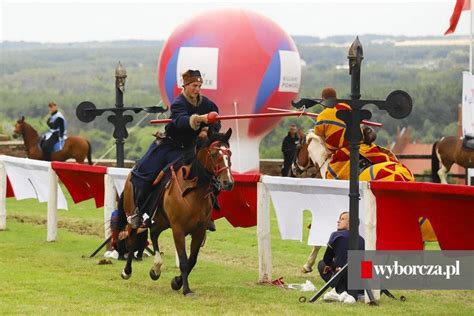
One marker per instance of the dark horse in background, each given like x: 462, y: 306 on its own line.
x: 183, y: 196
x: 75, y: 147
x: 448, y: 151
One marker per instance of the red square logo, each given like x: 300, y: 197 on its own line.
x: 366, y: 269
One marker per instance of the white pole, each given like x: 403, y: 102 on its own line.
x: 3, y: 196
x: 470, y: 44
x: 109, y: 203
x: 52, y: 219
x: 263, y: 235
x: 370, y: 209
x: 237, y: 127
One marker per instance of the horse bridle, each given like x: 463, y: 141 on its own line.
x: 18, y: 134
x: 224, y: 152
x: 299, y: 168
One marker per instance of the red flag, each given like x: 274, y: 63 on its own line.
x: 461, y: 5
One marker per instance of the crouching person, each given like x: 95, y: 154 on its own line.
x: 142, y: 242
x: 120, y: 238
x: 335, y: 258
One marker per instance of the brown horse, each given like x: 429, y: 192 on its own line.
x: 449, y: 150
x: 185, y: 205
x: 74, y: 147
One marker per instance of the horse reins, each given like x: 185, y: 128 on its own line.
x: 215, y: 168
x: 224, y: 152
x: 300, y: 167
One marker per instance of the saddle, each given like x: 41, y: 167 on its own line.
x: 187, y: 183
x: 468, y: 141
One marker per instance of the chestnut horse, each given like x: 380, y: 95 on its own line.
x: 185, y: 205
x: 74, y: 147
x: 311, y: 158
x: 448, y: 151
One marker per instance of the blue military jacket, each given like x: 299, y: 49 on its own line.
x: 180, y: 140
x: 179, y: 129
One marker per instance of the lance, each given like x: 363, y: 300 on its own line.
x: 214, y: 116
x: 370, y: 123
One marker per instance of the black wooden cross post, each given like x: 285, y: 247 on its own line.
x: 87, y: 112
x: 398, y: 105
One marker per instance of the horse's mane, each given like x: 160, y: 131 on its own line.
x: 220, y: 137
x: 310, y: 134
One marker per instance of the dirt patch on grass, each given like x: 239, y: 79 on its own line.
x: 78, y: 226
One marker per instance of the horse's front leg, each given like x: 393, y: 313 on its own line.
x: 181, y: 280
x: 196, y: 244
x: 131, y: 245
x: 155, y: 271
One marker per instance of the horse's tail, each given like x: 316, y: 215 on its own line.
x: 435, y: 164
x: 89, y: 153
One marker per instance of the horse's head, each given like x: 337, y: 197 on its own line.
x: 19, y: 130
x: 312, y: 153
x: 215, y: 156
x: 302, y: 161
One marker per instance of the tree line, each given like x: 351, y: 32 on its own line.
x: 32, y: 74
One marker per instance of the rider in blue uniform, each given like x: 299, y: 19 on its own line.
x: 53, y: 140
x: 189, y: 115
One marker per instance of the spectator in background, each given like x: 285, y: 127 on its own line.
x: 288, y: 147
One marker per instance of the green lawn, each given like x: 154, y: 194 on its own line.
x: 37, y: 277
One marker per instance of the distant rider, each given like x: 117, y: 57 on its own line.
x: 56, y: 134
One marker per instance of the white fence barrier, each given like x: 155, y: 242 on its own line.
x: 326, y: 199
x: 3, y: 194
x: 27, y: 178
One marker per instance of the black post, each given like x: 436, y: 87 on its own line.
x: 355, y: 57
x: 120, y: 75
x: 398, y: 105
x: 86, y: 112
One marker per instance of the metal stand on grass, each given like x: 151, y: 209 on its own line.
x: 398, y: 105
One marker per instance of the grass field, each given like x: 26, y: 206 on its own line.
x: 37, y: 277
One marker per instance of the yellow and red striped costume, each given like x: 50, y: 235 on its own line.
x: 384, y: 164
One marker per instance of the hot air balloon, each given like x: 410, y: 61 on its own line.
x: 248, y: 64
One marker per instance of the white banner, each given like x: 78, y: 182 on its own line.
x: 29, y: 179
x: 467, y: 103
x: 290, y: 75
x: 325, y: 199
x: 204, y: 59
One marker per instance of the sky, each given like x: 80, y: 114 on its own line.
x: 106, y: 20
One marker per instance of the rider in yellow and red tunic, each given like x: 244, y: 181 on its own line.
x: 332, y: 129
